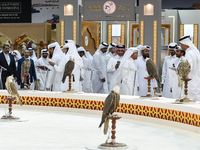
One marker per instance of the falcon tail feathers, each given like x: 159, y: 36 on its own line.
x: 19, y: 100
x: 106, y: 124
x: 63, y: 79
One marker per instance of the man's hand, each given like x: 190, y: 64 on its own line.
x: 117, y: 66
x: 18, y: 82
x: 51, y: 63
x: 15, y: 78
x: 103, y: 80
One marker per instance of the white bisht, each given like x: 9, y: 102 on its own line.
x: 114, y: 74
x: 72, y: 52
x: 128, y: 69
x: 87, y: 67
x: 142, y: 72
x: 54, y: 77
x: 42, y: 75
x: 167, y: 73
x: 193, y: 57
x: 99, y: 64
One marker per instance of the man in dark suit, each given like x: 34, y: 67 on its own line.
x: 32, y: 74
x: 7, y: 61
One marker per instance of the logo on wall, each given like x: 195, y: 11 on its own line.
x: 109, y: 7
x: 86, y: 41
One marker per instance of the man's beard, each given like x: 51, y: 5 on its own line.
x: 146, y: 56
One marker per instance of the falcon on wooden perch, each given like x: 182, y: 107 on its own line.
x: 110, y: 105
x: 183, y: 70
x: 12, y: 89
x: 152, y: 70
x: 69, y: 66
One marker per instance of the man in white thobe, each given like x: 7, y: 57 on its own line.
x: 99, y: 77
x: 54, y: 78
x: 72, y: 52
x: 110, y: 52
x: 87, y: 81
x: 167, y: 73
x: 42, y: 72
x: 193, y: 57
x: 17, y: 56
x: 142, y: 72
x: 128, y: 69
x: 176, y: 91
x: 114, y: 75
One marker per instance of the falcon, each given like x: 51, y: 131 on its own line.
x: 110, y: 105
x: 152, y: 70
x: 183, y: 70
x: 12, y: 89
x: 25, y: 67
x: 69, y: 66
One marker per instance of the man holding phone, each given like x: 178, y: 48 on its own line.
x: 113, y: 65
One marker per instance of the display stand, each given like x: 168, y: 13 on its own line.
x: 185, y: 99
x: 9, y: 116
x: 70, y: 86
x: 113, y: 143
x: 149, y: 86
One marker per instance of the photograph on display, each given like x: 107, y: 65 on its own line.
x: 116, y: 39
x: 45, y: 11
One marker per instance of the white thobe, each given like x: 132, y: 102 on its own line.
x: 42, y: 75
x: 114, y: 75
x: 54, y: 77
x: 194, y: 84
x: 100, y: 65
x: 142, y: 72
x: 174, y: 80
x: 87, y: 75
x: 107, y: 58
x: 129, y: 80
x: 76, y: 72
x: 166, y: 74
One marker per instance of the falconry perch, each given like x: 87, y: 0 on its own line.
x: 183, y: 70
x: 69, y: 66
x: 152, y: 70
x: 12, y: 89
x: 110, y: 105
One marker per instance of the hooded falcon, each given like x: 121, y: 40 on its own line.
x: 110, y: 105
x: 152, y: 70
x: 183, y: 70
x: 12, y: 89
x: 69, y: 66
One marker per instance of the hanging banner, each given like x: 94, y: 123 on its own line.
x: 15, y: 11
x: 106, y: 10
